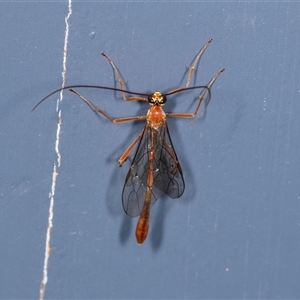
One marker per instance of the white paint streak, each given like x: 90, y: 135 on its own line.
x: 58, y: 160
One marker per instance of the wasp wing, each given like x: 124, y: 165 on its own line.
x: 167, y: 173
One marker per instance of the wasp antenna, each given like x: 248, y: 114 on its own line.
x: 87, y: 86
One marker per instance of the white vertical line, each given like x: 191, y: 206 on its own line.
x: 58, y: 160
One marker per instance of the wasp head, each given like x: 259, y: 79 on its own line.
x: 157, y: 98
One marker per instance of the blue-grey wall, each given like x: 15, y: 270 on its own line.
x: 235, y: 231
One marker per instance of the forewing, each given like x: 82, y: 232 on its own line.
x: 134, y: 189
x: 166, y: 168
x: 168, y: 173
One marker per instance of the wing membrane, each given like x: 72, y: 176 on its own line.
x: 167, y: 172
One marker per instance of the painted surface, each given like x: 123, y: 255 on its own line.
x: 235, y: 231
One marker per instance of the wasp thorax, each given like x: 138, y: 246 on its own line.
x: 157, y: 98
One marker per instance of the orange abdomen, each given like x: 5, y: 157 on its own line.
x: 141, y: 231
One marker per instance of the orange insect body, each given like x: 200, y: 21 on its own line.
x: 156, y: 117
